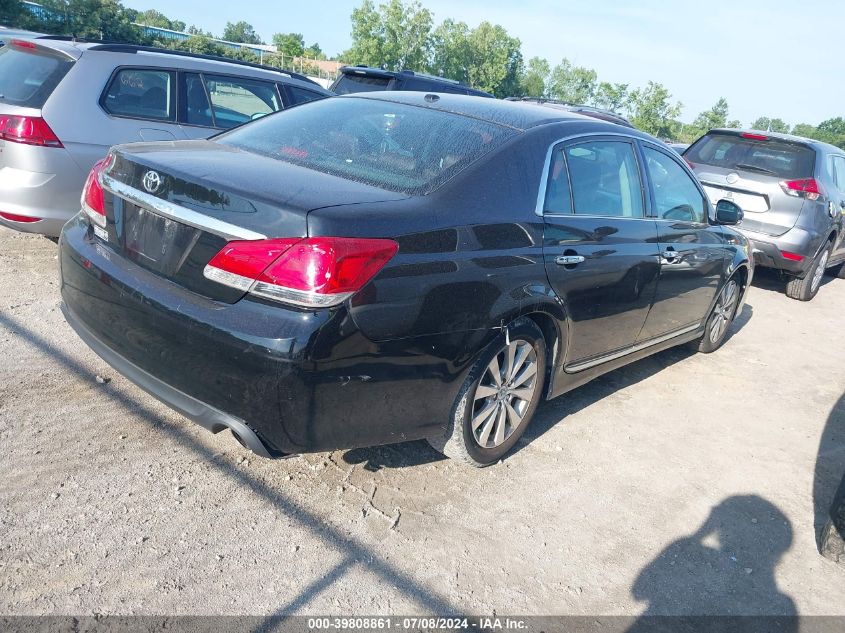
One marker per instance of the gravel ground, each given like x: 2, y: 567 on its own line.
x: 681, y: 484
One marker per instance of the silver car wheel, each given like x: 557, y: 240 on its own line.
x: 504, y: 394
x: 819, y: 272
x: 723, y: 310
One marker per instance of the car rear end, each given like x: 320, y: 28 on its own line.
x: 358, y: 79
x: 39, y: 180
x: 772, y: 178
x: 196, y: 271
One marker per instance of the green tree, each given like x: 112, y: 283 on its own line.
x: 289, y: 44
x: 495, y: 63
x: 535, y: 79
x: 653, y: 111
x: 151, y: 17
x: 717, y: 116
x: 613, y: 97
x: 241, y: 32
x: 451, y: 54
x: 766, y: 124
x: 90, y: 19
x: 573, y: 84
x: 397, y: 35
x: 13, y: 13
x: 195, y: 30
x: 314, y: 52
x: 734, y: 124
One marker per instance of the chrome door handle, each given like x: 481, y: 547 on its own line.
x: 670, y: 253
x: 569, y: 260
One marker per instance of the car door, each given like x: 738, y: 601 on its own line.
x: 211, y: 103
x: 138, y: 104
x: 692, y: 251
x: 837, y: 200
x: 600, y: 251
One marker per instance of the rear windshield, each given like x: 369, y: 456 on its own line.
x: 768, y: 157
x: 27, y: 78
x: 359, y: 83
x: 393, y: 146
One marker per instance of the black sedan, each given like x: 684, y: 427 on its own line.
x: 385, y: 267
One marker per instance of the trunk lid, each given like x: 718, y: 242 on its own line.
x: 172, y: 206
x: 748, y: 169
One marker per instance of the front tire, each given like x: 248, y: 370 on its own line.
x: 807, y: 288
x: 498, y: 398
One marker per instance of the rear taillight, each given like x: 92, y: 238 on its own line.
x: 28, y: 130
x: 315, y: 272
x: 754, y: 137
x: 14, y: 217
x: 795, y: 257
x: 92, y: 193
x: 803, y: 188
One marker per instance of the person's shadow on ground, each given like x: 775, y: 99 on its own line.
x: 725, y: 568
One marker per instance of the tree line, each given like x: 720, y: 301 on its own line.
x: 398, y: 35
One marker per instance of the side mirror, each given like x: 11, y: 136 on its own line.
x: 728, y: 213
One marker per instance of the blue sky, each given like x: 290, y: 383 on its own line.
x: 776, y: 58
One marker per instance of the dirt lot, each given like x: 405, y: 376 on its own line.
x: 681, y: 484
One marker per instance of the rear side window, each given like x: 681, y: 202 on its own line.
x: 28, y: 77
x: 389, y: 145
x: 141, y: 93
x: 299, y: 95
x: 770, y: 157
x: 359, y: 83
x: 605, y: 179
x: 235, y: 101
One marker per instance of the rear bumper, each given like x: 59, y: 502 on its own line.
x: 50, y: 194
x: 203, y: 414
x: 768, y: 249
x: 299, y: 381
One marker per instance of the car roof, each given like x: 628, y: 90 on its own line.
x: 598, y: 113
x: 380, y: 72
x: 789, y: 138
x: 520, y: 115
x: 192, y: 61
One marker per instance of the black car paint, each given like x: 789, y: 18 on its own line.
x: 385, y: 366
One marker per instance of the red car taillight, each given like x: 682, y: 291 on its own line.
x: 803, y: 188
x: 28, y: 130
x: 315, y: 272
x: 14, y: 217
x: 92, y: 193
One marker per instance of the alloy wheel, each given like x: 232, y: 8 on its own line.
x: 504, y: 394
x: 819, y: 272
x: 723, y: 310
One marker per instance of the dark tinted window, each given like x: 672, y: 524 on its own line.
x: 27, y: 78
x: 427, y: 85
x: 301, y: 95
x: 772, y: 157
x: 359, y: 83
x: 676, y: 196
x: 389, y: 145
x: 838, y: 164
x: 558, y: 197
x: 605, y: 179
x: 235, y: 101
x: 197, y: 106
x: 141, y: 93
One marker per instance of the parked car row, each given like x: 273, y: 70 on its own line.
x: 64, y: 103
x: 376, y: 267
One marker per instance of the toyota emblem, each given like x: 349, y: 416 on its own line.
x: 152, y: 181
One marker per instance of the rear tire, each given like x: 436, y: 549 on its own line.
x: 498, y: 398
x: 720, y: 319
x: 807, y: 288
